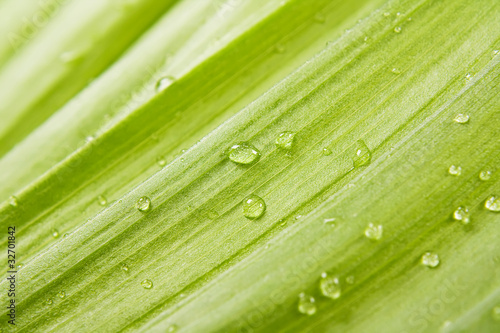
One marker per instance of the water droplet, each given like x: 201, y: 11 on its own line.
x: 319, y: 17
x: 362, y: 155
x: 330, y: 286
x: 398, y: 14
x: 330, y: 222
x: 160, y: 160
x: 350, y: 279
x: 61, y: 294
x: 496, y: 313
x: 89, y: 139
x: 172, y: 328
x: 298, y: 217
x: 164, y: 83
x: 49, y: 301
x: 279, y: 48
x: 397, y: 30
x: 285, y: 140
x: 396, y: 71
x: 387, y: 14
x: 211, y: 214
x: 495, y: 53
x: 492, y: 204
x: 66, y: 235
x: 243, y: 153
x: 55, y: 233
x: 125, y: 268
x: 13, y: 201
x: 461, y: 118
x: 147, y: 284
x: 19, y: 266
x: 462, y: 214
x: 468, y: 76
x: 430, y: 259
x: 253, y: 207
x: 143, y: 204
x: 307, y: 304
x: 327, y: 152
x: 102, y: 200
x: 455, y: 170
x: 485, y: 175
x: 374, y: 232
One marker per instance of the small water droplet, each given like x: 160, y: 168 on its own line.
x: 172, y: 328
x: 461, y: 118
x: 66, y: 235
x: 102, y: 200
x: 13, y: 201
x: 307, y: 304
x: 398, y: 14
x: 143, y: 204
x: 485, y: 175
x: 430, y: 259
x: 61, y: 294
x: 362, y: 154
x: 298, y: 217
x: 455, y: 170
x: 374, y: 232
x: 319, y: 17
x: 147, y: 284
x: 495, y: 53
x: 462, y: 214
x: 350, y: 279
x: 164, y: 83
x: 49, y: 301
x: 160, y: 160
x: 396, y: 71
x: 387, y: 14
x: 330, y: 286
x: 330, y: 222
x: 89, y: 139
x: 125, y: 268
x: 492, y: 204
x: 468, y: 76
x: 327, y: 152
x: 496, y: 313
x: 253, y: 207
x: 19, y: 266
x: 55, y: 233
x: 243, y: 153
x: 397, y: 30
x: 279, y: 48
x: 285, y: 140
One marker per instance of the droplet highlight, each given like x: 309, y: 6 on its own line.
x: 462, y: 214
x: 55, y: 233
x: 243, y: 153
x: 147, y: 284
x: 326, y: 152
x: 125, y: 268
x: 143, y: 204
x: 285, y: 140
x: 492, y: 204
x: 330, y: 286
x: 461, y: 118
x: 362, y: 154
x: 160, y: 160
x: 253, y: 207
x: 455, y: 170
x: 397, y: 30
x: 307, y: 304
x: 374, y: 232
x: 430, y: 259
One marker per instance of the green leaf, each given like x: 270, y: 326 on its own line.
x: 130, y: 207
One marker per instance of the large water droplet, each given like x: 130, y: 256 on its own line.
x: 164, y: 83
x: 13, y: 201
x: 330, y: 286
x: 455, y: 170
x: 374, y: 232
x: 243, y: 153
x: 102, y: 200
x: 461, y: 118
x: 147, y: 284
x: 253, y: 207
x: 485, y: 175
x: 285, y: 140
x: 307, y: 304
x: 462, y: 214
x: 492, y: 204
x: 362, y: 154
x: 143, y: 204
x: 430, y: 259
